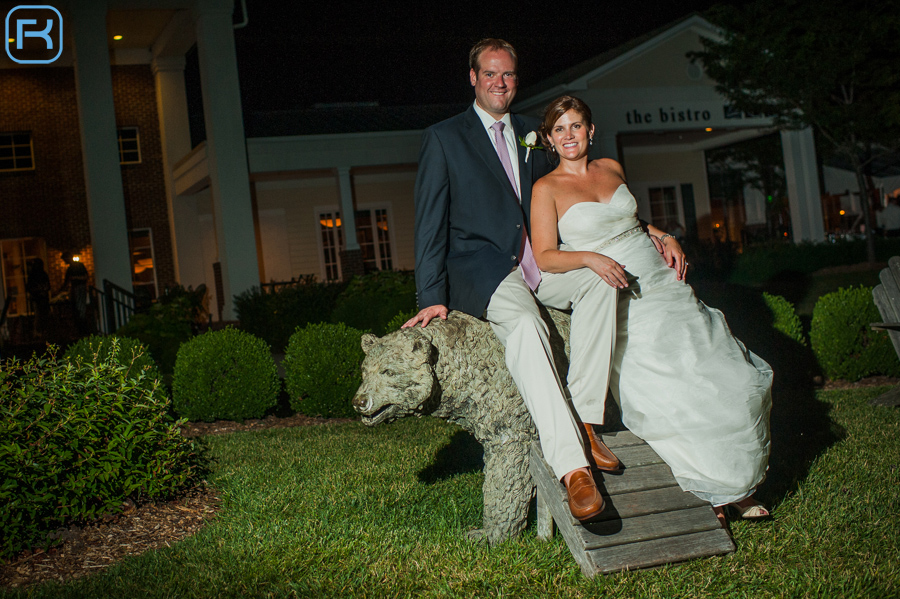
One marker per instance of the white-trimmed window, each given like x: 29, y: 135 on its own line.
x: 373, y: 233
x: 16, y: 152
x: 129, y: 145
x: 143, y: 273
x: 663, y: 206
x: 332, y: 238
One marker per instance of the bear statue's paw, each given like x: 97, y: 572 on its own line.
x: 478, y: 536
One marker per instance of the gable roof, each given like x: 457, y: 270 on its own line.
x: 577, y: 77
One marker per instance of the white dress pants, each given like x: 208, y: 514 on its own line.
x: 516, y: 320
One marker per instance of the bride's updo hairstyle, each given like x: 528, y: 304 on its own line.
x: 554, y: 112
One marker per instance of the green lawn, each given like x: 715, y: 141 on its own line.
x: 347, y: 511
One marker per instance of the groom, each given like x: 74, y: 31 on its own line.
x: 473, y: 201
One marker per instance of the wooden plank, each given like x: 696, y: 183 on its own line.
x: 641, y: 503
x: 562, y: 516
x: 645, y: 528
x: 887, y: 310
x: 637, y: 455
x: 642, y: 478
x: 661, y: 551
x: 623, y: 438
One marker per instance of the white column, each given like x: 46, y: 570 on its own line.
x: 226, y: 151
x: 174, y: 128
x: 804, y: 195
x: 99, y: 145
x: 348, y: 212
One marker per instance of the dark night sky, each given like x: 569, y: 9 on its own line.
x: 295, y: 54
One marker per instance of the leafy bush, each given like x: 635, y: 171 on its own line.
x: 79, y: 437
x: 842, y: 341
x: 785, y: 319
x: 129, y: 353
x: 163, y: 328
x: 397, y: 321
x: 275, y: 316
x: 371, y: 301
x: 227, y: 374
x: 322, y: 369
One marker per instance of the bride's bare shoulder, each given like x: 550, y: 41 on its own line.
x: 608, y: 166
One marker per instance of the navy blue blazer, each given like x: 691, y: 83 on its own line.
x: 468, y: 218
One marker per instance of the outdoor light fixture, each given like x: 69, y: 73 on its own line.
x: 117, y: 37
x: 708, y: 129
x: 76, y: 258
x: 842, y: 213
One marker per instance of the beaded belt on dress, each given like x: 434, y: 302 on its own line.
x: 619, y: 237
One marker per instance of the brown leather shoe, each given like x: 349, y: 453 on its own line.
x: 585, y: 500
x: 603, y: 458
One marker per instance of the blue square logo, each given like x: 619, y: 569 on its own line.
x: 34, y: 34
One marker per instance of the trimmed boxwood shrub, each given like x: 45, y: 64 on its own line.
x: 275, y: 316
x: 79, y: 437
x: 322, y: 369
x: 371, y: 301
x: 129, y: 353
x: 784, y: 318
x: 227, y: 374
x: 844, y: 344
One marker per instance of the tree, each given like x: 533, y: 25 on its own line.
x: 833, y: 65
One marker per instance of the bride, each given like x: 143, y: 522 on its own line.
x: 684, y: 384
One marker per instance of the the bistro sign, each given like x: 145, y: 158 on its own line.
x: 670, y: 115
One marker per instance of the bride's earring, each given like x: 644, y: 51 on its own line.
x: 590, y: 141
x: 553, y: 149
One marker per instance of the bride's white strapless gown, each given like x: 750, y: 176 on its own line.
x: 683, y: 382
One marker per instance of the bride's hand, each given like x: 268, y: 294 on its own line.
x: 607, y: 269
x: 674, y: 255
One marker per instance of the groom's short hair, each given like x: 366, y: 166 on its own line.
x: 490, y: 43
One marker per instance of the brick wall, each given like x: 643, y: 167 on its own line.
x: 134, y: 94
x: 50, y: 201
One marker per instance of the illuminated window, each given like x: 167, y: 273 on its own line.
x: 332, y: 240
x: 16, y: 152
x: 143, y: 274
x: 129, y: 145
x: 372, y: 234
x: 16, y: 255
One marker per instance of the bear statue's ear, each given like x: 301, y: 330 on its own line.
x: 368, y: 342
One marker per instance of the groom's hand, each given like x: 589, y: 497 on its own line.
x: 425, y: 316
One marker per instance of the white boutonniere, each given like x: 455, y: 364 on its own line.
x: 530, y: 142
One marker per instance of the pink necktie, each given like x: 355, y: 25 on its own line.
x: 530, y: 271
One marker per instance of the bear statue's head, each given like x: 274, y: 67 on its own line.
x: 398, y: 377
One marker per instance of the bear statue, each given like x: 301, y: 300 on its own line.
x: 454, y: 369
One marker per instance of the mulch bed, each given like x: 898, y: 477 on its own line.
x: 156, y: 525
x: 138, y: 528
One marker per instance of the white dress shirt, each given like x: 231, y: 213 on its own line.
x: 508, y: 134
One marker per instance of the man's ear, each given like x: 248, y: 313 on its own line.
x: 473, y: 77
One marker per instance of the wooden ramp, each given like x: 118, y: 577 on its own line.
x: 648, y: 521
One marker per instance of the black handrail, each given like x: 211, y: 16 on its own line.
x: 115, y: 306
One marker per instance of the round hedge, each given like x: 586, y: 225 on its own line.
x: 227, y: 375
x: 784, y: 318
x: 322, y: 369
x: 844, y: 344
